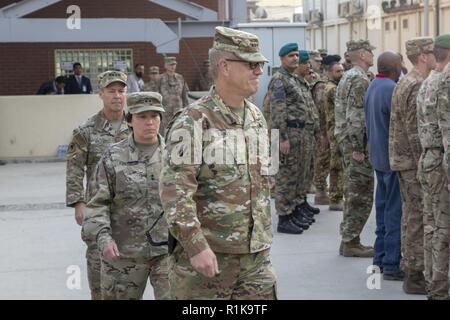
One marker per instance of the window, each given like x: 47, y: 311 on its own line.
x: 395, y: 25
x: 94, y: 62
x: 387, y: 26
x: 405, y: 23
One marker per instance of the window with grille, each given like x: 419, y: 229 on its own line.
x: 405, y: 23
x: 93, y: 61
x: 387, y: 26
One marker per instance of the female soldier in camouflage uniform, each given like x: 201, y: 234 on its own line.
x: 126, y: 210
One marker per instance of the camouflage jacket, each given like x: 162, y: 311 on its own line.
x: 287, y: 102
x: 349, y: 109
x: 443, y: 107
x: 329, y: 98
x: 126, y: 203
x: 151, y: 85
x: 174, y: 91
x: 404, y: 142
x: 89, y: 141
x: 220, y: 202
x: 318, y: 94
x: 305, y: 88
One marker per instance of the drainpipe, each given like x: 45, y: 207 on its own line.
x: 426, y: 20
x: 437, y: 17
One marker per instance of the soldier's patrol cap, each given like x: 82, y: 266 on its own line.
x: 419, y: 45
x: 154, y: 69
x: 138, y: 102
x: 443, y: 41
x: 323, y: 52
x: 354, y: 45
x: 108, y: 77
x: 303, y: 56
x: 243, y: 44
x: 170, y: 60
x: 288, y: 48
x: 315, y: 55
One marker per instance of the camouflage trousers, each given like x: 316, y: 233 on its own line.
x: 412, y: 221
x: 93, y: 270
x: 336, y: 192
x: 126, y: 278
x: 321, y: 167
x: 436, y: 231
x: 358, y: 191
x: 242, y: 277
x: 294, y: 176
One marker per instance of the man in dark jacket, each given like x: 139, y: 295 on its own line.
x: 388, y: 205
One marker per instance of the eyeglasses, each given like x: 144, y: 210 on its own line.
x: 252, y: 65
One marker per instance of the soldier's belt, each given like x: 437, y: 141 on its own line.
x: 296, y: 124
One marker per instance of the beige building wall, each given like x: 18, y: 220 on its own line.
x: 34, y: 126
x: 386, y: 31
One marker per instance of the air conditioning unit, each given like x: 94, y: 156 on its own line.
x: 315, y: 17
x: 356, y: 8
x: 344, y: 9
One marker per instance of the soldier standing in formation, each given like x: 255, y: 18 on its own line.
x: 289, y: 114
x: 432, y: 175
x: 153, y: 83
x: 335, y: 71
x: 88, y: 143
x: 322, y: 150
x: 404, y: 154
x: 125, y: 206
x: 350, y: 134
x: 218, y: 209
x: 173, y: 89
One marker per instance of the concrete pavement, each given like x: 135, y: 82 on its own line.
x: 42, y: 251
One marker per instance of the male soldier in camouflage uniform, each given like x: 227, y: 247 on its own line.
x: 125, y: 207
x: 215, y: 196
x: 307, y: 159
x: 433, y: 112
x: 89, y: 141
x: 350, y: 134
x: 174, y: 91
x: 404, y: 154
x: 335, y: 71
x: 153, y: 84
x: 322, y: 150
x: 204, y: 81
x: 289, y: 114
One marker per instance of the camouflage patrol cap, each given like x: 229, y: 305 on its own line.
x: 243, y: 44
x: 138, y: 102
x: 419, y: 45
x: 170, y: 60
x: 354, y: 45
x: 154, y: 69
x: 315, y: 55
x: 108, y: 77
x: 323, y: 52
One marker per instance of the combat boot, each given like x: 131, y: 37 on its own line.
x: 414, y: 282
x: 301, y: 211
x: 336, y: 206
x: 309, y: 207
x: 355, y: 249
x: 300, y: 222
x: 285, y: 225
x: 321, y: 198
